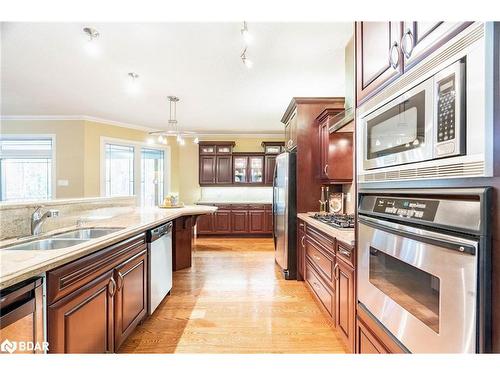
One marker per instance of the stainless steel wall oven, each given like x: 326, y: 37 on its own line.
x: 424, y: 267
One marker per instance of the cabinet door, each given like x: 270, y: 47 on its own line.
x: 345, y: 316
x: 340, y: 156
x: 240, y: 169
x: 224, y: 170
x: 239, y: 221
x: 256, y: 169
x: 130, y: 297
x: 291, y: 130
x: 269, y: 164
x: 207, y: 169
x: 222, y: 221
x: 257, y: 221
x: 82, y: 322
x: 366, y: 343
x: 420, y: 39
x: 269, y: 221
x: 378, y: 56
x: 205, y: 224
x: 323, y: 149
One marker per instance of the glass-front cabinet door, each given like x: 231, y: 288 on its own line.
x: 240, y: 169
x: 256, y: 169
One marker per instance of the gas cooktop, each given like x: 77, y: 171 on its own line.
x: 336, y: 220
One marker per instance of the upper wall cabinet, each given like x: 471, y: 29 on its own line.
x: 219, y: 165
x: 378, y: 56
x: 386, y: 50
x: 216, y: 163
x: 291, y: 131
x: 422, y: 38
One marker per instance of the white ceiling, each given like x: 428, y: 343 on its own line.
x: 46, y: 71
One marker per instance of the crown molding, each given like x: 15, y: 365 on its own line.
x: 271, y: 135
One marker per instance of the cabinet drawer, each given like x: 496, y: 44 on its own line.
x: 323, y: 293
x: 345, y: 252
x: 326, y: 242
x: 239, y: 206
x: 301, y: 225
x: 322, y: 261
x: 69, y: 277
x: 223, y: 206
x: 256, y: 206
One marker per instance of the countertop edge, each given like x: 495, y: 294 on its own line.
x: 341, y: 235
x: 96, y: 245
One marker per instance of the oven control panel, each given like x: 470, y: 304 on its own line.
x: 422, y: 209
x: 446, y: 109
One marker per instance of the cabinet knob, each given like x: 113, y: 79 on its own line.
x: 302, y: 241
x: 325, y: 169
x: 405, y: 47
x: 394, y: 55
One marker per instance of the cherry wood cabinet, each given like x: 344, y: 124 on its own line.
x: 371, y: 338
x: 207, y: 169
x: 422, y: 38
x: 222, y: 221
x: 224, y: 171
x: 378, y: 56
x: 182, y: 242
x: 345, y: 302
x: 248, y: 168
x: 83, y: 322
x: 331, y: 278
x: 269, y: 165
x: 131, y: 296
x: 336, y: 158
x: 291, y: 130
x: 386, y: 50
x: 237, y: 219
x: 215, y: 163
x: 95, y: 302
x: 257, y: 221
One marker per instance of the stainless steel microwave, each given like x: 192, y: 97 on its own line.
x: 426, y: 122
x: 436, y: 121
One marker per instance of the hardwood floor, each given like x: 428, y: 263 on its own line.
x: 234, y: 300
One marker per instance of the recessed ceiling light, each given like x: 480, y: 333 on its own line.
x: 247, y: 37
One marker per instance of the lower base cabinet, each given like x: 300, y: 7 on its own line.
x: 329, y: 273
x: 182, y: 242
x: 95, y: 302
x: 237, y: 219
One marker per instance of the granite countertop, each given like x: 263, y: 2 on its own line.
x: 344, y: 235
x: 19, y: 265
x: 234, y: 202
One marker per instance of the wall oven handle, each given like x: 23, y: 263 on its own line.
x: 425, y: 236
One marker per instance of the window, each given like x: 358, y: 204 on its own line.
x: 152, y: 173
x: 119, y: 170
x: 26, y: 168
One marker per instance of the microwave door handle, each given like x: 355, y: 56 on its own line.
x: 432, y: 238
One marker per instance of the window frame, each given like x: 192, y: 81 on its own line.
x: 137, y: 146
x: 53, y: 173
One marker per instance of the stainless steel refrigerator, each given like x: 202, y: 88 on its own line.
x: 285, y: 214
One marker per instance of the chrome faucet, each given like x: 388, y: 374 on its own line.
x: 37, y: 219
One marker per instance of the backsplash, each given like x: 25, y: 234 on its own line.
x: 15, y: 218
x: 237, y: 194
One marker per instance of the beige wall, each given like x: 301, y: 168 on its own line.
x: 69, y: 150
x: 78, y: 150
x: 189, y: 188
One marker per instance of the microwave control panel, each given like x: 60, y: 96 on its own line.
x: 423, y: 209
x: 446, y: 109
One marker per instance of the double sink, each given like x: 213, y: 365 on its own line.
x: 66, y: 239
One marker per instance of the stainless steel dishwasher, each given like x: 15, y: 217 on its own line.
x: 159, y: 264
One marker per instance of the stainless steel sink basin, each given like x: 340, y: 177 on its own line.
x: 62, y: 240
x: 46, y: 244
x: 86, y: 233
